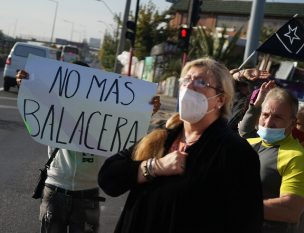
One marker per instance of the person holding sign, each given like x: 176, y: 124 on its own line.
x: 196, y: 175
x: 70, y: 198
x: 70, y: 201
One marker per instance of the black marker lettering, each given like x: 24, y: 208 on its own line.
x: 50, y: 113
x: 61, y: 82
x: 87, y: 130
x: 99, y: 84
x: 133, y: 94
x: 102, y: 130
x: 80, y: 119
x: 116, y: 91
x: 135, y: 128
x: 74, y: 77
x: 59, y: 127
x: 25, y: 113
x: 117, y: 132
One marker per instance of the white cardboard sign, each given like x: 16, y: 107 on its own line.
x: 83, y: 109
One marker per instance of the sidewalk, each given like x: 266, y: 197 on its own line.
x: 167, y: 109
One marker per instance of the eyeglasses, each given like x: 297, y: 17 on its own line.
x: 198, y: 83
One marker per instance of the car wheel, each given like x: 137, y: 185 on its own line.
x: 6, y: 86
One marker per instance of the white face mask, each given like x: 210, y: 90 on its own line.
x: 193, y: 106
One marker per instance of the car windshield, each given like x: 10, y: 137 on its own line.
x: 24, y: 51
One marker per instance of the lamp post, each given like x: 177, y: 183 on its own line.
x: 54, y: 22
x: 121, y: 41
x: 107, y: 7
x: 83, y: 32
x: 72, y: 23
x: 107, y: 25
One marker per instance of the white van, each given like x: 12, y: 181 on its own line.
x: 17, y: 58
x: 69, y: 53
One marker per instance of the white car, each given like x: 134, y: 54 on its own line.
x: 69, y: 53
x: 16, y: 60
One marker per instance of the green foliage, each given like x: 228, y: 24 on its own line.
x: 151, y: 29
x: 171, y: 66
x: 206, y: 42
x: 107, y: 52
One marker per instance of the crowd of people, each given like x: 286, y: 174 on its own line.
x: 231, y: 160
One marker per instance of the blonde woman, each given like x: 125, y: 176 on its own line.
x: 196, y: 175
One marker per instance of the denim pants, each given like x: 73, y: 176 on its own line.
x: 60, y: 213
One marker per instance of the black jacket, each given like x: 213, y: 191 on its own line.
x: 220, y: 191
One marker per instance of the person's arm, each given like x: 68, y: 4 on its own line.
x: 21, y: 74
x: 251, y: 74
x: 286, y: 208
x: 247, y: 126
x: 289, y: 206
x: 120, y: 173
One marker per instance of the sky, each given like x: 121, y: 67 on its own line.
x: 76, y: 19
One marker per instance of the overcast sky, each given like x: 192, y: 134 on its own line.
x: 35, y: 17
x: 75, y: 18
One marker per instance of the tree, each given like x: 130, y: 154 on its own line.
x: 206, y: 42
x: 152, y: 29
x: 107, y: 52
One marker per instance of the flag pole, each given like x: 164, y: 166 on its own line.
x: 247, y: 59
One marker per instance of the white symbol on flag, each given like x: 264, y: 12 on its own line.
x: 291, y: 34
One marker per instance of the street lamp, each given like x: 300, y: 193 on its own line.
x: 72, y: 23
x: 107, y: 25
x: 107, y: 7
x: 54, y: 22
x: 83, y: 31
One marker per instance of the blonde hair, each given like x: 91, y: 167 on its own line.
x: 223, y: 79
x: 152, y: 145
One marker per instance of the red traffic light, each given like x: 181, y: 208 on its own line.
x: 184, y: 32
x: 183, y: 38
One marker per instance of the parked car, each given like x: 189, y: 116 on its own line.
x: 16, y: 60
x: 69, y: 53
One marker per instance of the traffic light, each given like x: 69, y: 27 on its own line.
x: 196, y: 10
x: 131, y: 30
x: 184, y: 38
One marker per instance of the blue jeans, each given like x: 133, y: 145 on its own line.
x: 60, y: 213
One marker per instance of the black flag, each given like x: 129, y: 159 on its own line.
x: 288, y: 41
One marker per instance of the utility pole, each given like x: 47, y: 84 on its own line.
x: 133, y: 41
x: 121, y: 44
x: 190, y: 10
x: 54, y: 21
x: 254, y: 28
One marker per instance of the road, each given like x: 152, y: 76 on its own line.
x: 21, y: 157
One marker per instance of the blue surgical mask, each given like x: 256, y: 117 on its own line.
x: 271, y: 135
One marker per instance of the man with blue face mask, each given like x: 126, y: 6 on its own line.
x: 281, y: 156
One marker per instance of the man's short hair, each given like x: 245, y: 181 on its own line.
x: 285, y: 96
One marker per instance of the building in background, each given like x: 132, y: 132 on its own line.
x: 95, y: 43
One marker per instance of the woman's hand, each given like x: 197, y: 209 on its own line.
x: 173, y: 163
x: 21, y: 74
